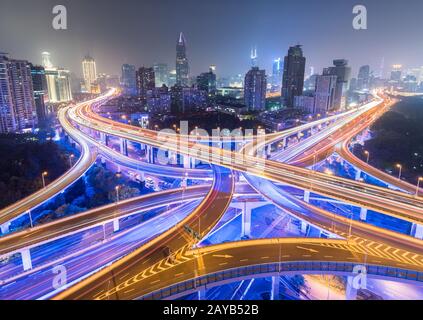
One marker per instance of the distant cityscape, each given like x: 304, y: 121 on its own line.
x: 31, y: 92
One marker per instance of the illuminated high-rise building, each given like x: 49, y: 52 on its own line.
x: 343, y: 74
x: 293, y: 75
x: 363, y: 79
x: 396, y: 72
x: 161, y: 73
x: 39, y: 83
x: 277, y: 72
x: 324, y: 96
x: 89, y: 72
x: 58, y: 81
x: 253, y: 57
x: 255, y: 89
x: 129, y: 79
x: 207, y: 82
x: 17, y: 105
x: 182, y: 66
x: 46, y: 59
x: 145, y: 81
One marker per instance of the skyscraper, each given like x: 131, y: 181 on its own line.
x: 129, y: 80
x: 207, y: 82
x: 46, y: 59
x: 343, y: 74
x: 255, y: 89
x: 39, y: 83
x: 396, y: 73
x: 161, y: 73
x: 325, y: 94
x: 17, y: 105
x: 363, y: 79
x: 145, y: 81
x: 293, y: 75
x: 253, y: 57
x: 182, y: 67
x: 277, y: 72
x: 89, y: 72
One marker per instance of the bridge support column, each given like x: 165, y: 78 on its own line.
x: 307, y: 196
x: 104, y: 138
x: 363, y: 214
x: 201, y: 293
x: 274, y: 295
x: 187, y: 162
x: 358, y: 174
x: 284, y: 146
x: 142, y: 176
x: 417, y: 231
x: 5, y: 227
x: 246, y: 221
x: 268, y: 150
x: 350, y: 291
x: 304, y: 227
x: 150, y: 154
x: 26, y: 259
x: 123, y: 146
x: 116, y: 225
x: 246, y: 208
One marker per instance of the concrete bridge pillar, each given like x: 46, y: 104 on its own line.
x: 5, y: 227
x: 417, y: 231
x: 275, y: 288
x: 307, y: 196
x: 363, y: 214
x: 358, y: 175
x: 142, y: 176
x: 104, y: 138
x: 246, y: 208
x: 350, y: 291
x: 268, y: 150
x: 124, y: 147
x: 304, y: 227
x: 26, y: 259
x: 116, y: 225
x: 201, y: 293
x: 150, y: 154
x: 187, y: 161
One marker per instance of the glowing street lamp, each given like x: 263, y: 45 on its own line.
x: 399, y: 170
x: 42, y: 177
x: 367, y: 153
x: 418, y: 185
x: 71, y: 156
x: 117, y: 188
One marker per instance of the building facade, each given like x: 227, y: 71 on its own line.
x: 17, y: 104
x: 255, y: 89
x: 293, y: 75
x: 182, y: 66
x: 342, y: 71
x: 89, y: 71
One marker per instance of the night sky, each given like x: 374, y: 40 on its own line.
x: 219, y: 32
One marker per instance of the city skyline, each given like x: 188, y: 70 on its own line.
x: 229, y: 37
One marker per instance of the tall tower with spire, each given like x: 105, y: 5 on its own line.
x: 253, y: 57
x: 182, y: 67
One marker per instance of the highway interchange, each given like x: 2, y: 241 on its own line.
x: 172, y: 257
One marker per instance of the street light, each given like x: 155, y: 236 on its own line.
x: 399, y: 170
x: 367, y: 153
x: 71, y: 156
x: 42, y: 177
x: 117, y: 193
x: 418, y: 185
